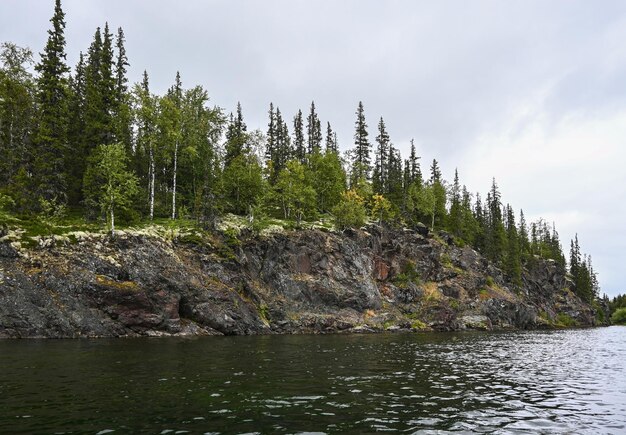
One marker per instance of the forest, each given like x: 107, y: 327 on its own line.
x: 85, y: 142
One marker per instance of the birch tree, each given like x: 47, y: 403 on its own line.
x: 110, y: 184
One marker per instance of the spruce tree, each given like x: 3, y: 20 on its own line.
x: 299, y: 148
x: 272, y: 131
x: 121, y: 106
x: 512, y: 264
x: 314, y: 131
x: 381, y: 162
x: 50, y: 136
x: 75, y: 160
x: 236, y: 137
x: 455, y: 220
x: 439, y: 192
x: 361, y: 154
x: 331, y: 140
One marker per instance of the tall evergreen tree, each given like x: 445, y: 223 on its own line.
x: 439, y: 192
x: 236, y: 137
x: 361, y: 154
x: 512, y: 264
x: 121, y: 105
x: 455, y: 221
x: 52, y: 100
x: 331, y: 140
x: 314, y: 131
x: 381, y: 162
x: 272, y: 132
x: 299, y: 148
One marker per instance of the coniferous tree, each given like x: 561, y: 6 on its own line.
x: 495, y: 231
x: 236, y: 137
x: 314, y: 131
x: 272, y: 132
x: 512, y: 266
x: 299, y: 148
x: 331, y: 140
x: 121, y: 105
x: 415, y: 170
x: 75, y: 161
x: 50, y: 136
x: 455, y: 221
x: 361, y: 153
x: 439, y: 192
x: 524, y: 241
x: 394, y: 182
x: 381, y: 162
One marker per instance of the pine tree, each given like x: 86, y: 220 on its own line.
x: 415, y: 171
x: 50, y: 136
x: 524, y: 240
x: 455, y: 221
x: 381, y: 162
x: 121, y: 105
x: 236, y: 137
x: 314, y: 131
x: 75, y: 160
x: 331, y: 140
x: 361, y: 154
x: 513, y: 266
x: 270, y: 147
x: 495, y: 231
x: 298, y: 138
x: 439, y: 192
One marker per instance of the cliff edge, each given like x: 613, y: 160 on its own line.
x: 305, y: 281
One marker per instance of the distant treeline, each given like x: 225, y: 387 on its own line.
x: 85, y: 140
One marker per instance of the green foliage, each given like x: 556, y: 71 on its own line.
x: 108, y: 182
x: 564, y: 320
x: 382, y: 209
x: 51, y: 212
x: 619, y: 316
x: 408, y: 275
x: 294, y: 194
x: 350, y: 212
x: 328, y: 178
x: 243, y: 183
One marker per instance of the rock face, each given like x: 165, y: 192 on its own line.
x: 307, y: 281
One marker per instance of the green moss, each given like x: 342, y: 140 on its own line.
x: 490, y: 282
x: 446, y: 261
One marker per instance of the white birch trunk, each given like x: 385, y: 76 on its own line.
x: 174, y: 181
x: 152, y: 178
x: 112, y: 222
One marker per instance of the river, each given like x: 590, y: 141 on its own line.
x: 569, y: 381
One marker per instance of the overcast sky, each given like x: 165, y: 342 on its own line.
x: 531, y: 92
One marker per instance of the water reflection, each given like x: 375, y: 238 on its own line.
x: 558, y: 381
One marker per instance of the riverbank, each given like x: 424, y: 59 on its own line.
x: 161, y: 282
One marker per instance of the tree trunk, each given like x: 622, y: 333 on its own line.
x: 112, y: 222
x: 152, y: 179
x: 174, y: 181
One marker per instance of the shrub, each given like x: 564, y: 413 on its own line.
x: 350, y: 212
x: 619, y: 316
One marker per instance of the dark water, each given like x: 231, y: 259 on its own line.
x: 550, y: 382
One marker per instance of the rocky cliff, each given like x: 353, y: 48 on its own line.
x: 307, y: 281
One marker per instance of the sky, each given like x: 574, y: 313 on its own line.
x: 532, y: 93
